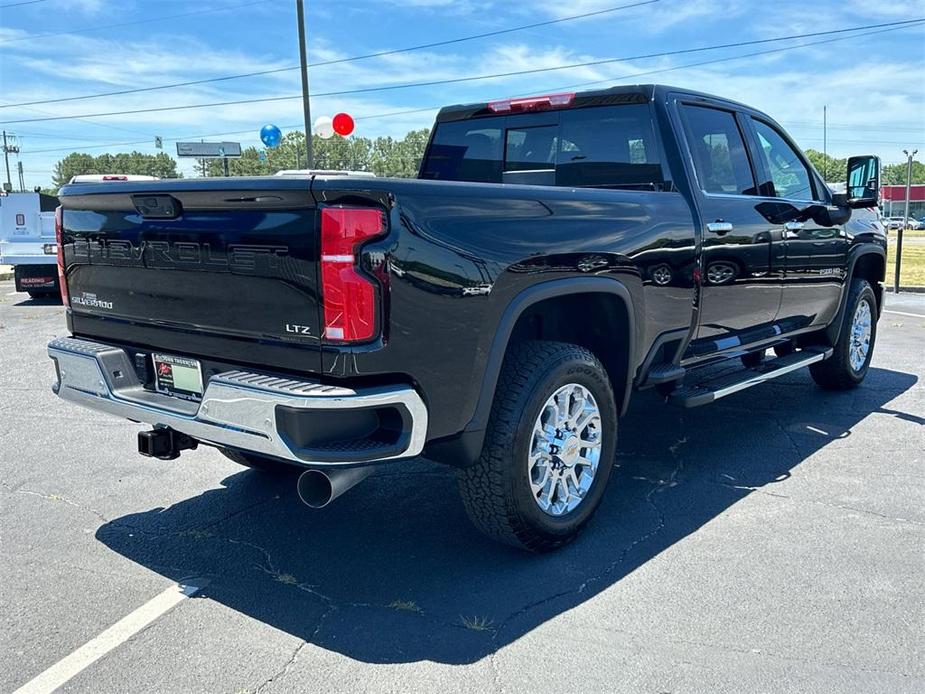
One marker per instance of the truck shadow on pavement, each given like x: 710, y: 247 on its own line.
x: 393, y: 572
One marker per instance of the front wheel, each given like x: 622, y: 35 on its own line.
x: 851, y: 356
x: 549, y: 447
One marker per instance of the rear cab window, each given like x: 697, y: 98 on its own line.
x: 600, y: 146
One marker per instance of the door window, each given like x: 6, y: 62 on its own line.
x: 789, y: 175
x: 719, y: 153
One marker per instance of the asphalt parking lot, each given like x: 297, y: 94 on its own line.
x: 772, y: 542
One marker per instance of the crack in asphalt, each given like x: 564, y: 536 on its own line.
x: 659, y: 485
x: 56, y: 497
x: 747, y: 651
x: 284, y: 670
x: 828, y: 504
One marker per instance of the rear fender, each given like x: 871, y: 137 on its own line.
x: 464, y: 449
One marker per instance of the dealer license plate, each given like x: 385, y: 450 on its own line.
x: 177, y: 376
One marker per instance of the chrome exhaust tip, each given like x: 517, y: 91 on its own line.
x: 317, y: 489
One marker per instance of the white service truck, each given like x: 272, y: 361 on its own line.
x: 27, y: 241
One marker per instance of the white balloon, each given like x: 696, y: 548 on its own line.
x: 324, y: 127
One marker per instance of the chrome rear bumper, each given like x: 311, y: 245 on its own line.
x: 245, y: 411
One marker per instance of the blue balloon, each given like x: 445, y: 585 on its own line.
x: 270, y: 135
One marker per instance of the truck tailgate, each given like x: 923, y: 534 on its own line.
x: 225, y: 268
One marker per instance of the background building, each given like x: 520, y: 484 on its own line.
x: 893, y: 200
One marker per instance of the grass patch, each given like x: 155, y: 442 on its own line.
x: 912, y: 271
x: 476, y: 623
x: 406, y: 606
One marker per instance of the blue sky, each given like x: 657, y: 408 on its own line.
x: 874, y: 86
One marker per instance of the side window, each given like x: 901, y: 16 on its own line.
x: 718, y: 151
x: 466, y: 151
x: 608, y: 146
x: 789, y: 175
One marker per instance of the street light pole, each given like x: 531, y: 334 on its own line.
x: 899, y: 234
x: 300, y: 12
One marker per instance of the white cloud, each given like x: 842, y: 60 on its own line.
x: 883, y: 90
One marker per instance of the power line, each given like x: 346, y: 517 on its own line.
x: 473, y: 78
x: 22, y: 2
x: 336, y: 61
x: 735, y: 57
x: 865, y: 126
x: 434, y: 108
x: 148, y: 20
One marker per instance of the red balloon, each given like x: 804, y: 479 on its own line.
x: 343, y: 124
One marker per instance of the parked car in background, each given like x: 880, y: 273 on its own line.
x: 896, y: 223
x: 27, y: 241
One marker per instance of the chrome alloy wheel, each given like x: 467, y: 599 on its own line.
x: 720, y: 273
x: 565, y: 449
x: 860, y: 335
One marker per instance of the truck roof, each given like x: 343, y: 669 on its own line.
x: 623, y: 94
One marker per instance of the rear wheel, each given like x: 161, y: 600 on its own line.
x: 257, y: 462
x: 850, y: 360
x: 549, y: 448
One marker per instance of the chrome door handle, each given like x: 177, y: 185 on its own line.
x: 719, y: 227
x: 793, y: 226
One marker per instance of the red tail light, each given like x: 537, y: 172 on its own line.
x: 532, y: 103
x: 349, y: 296
x: 59, y: 238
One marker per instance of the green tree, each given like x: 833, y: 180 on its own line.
x: 136, y: 163
x: 833, y: 170
x: 384, y: 156
x: 895, y: 174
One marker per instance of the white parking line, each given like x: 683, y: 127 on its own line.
x: 114, y: 636
x: 903, y: 313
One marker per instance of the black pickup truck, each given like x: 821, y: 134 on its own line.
x: 495, y: 314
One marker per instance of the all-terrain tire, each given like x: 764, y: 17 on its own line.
x: 837, y: 372
x: 496, y: 490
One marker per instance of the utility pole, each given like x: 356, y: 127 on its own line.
x: 300, y: 13
x: 6, y: 156
x: 899, y: 234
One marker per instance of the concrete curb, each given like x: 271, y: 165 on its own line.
x: 910, y: 290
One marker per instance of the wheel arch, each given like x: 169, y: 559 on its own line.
x: 867, y: 261
x: 536, y: 313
